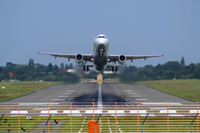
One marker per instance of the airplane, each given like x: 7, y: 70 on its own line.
x: 100, y: 56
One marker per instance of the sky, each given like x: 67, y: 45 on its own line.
x: 133, y: 27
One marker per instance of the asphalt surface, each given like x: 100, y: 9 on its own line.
x: 89, y: 93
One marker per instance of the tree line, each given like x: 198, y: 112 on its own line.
x: 169, y: 70
x: 35, y: 72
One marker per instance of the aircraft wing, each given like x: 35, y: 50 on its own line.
x: 132, y: 57
x: 86, y: 57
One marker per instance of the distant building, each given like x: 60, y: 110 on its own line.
x: 67, y: 70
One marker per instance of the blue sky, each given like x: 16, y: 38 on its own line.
x: 133, y: 27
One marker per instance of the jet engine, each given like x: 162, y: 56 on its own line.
x: 79, y: 58
x: 122, y: 59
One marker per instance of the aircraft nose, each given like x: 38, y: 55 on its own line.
x: 101, y: 41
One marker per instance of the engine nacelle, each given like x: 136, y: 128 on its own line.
x: 122, y: 59
x: 79, y: 58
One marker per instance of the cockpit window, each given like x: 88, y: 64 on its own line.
x: 101, y: 37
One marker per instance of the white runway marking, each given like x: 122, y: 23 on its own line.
x: 128, y: 91
x: 95, y: 111
x: 136, y: 96
x: 138, y: 111
x: 63, y: 96
x: 70, y: 90
x: 117, y: 111
x: 100, y: 105
x: 73, y: 112
x: 58, y: 99
x: 19, y: 112
x: 67, y: 93
x: 141, y: 99
x: 132, y: 93
x: 49, y: 111
x: 194, y: 111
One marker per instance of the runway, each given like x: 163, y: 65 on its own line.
x: 81, y: 93
x: 111, y: 100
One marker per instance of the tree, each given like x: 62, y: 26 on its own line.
x: 49, y: 68
x: 62, y: 66
x: 55, y: 70
x: 71, y: 66
x: 197, y: 71
x: 31, y: 63
x: 182, y: 61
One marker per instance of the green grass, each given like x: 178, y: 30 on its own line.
x: 188, y: 89
x: 17, y: 89
x: 11, y: 124
x: 126, y: 123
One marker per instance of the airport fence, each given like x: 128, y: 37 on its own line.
x: 115, y: 117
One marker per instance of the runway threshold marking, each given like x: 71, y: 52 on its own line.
x: 73, y: 111
x: 49, y: 111
x: 168, y: 111
x: 19, y: 112
x: 95, y: 111
x: 194, y: 111
x: 138, y: 111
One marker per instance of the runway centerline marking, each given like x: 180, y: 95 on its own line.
x: 67, y: 93
x: 100, y: 105
x: 141, y: 99
x: 136, y: 96
x: 58, y: 99
x: 128, y: 91
x: 132, y: 93
x: 70, y: 90
x: 63, y: 96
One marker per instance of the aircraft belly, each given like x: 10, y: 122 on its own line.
x: 100, y: 63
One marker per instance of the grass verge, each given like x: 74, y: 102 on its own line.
x: 188, y: 89
x: 10, y: 90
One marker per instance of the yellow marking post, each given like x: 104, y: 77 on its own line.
x: 99, y: 78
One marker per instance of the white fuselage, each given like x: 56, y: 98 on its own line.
x: 101, y: 47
